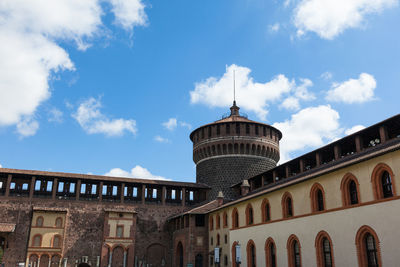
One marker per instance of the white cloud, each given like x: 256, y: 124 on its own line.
x: 185, y: 124
x: 27, y: 126
x: 161, y: 139
x: 354, y: 129
x: 327, y: 75
x: 329, y: 18
x: 274, y: 27
x: 29, y: 49
x: 90, y: 118
x: 1, y: 166
x: 353, y: 90
x: 309, y: 128
x: 252, y: 96
x: 170, y: 124
x: 136, y: 172
x: 291, y: 103
x: 55, y: 115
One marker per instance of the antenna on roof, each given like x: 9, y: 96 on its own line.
x: 234, y: 88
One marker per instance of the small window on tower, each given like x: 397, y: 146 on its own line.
x: 120, y: 231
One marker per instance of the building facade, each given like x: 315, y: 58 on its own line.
x: 334, y: 206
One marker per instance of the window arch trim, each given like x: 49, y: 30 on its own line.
x: 225, y: 220
x: 58, y: 219
x: 233, y: 253
x: 40, y: 240
x: 289, y: 247
x: 211, y: 223
x: 217, y: 221
x: 235, y: 219
x: 319, y: 248
x: 250, y: 244
x: 37, y: 221
x: 264, y: 213
x: 249, y: 214
x: 59, y: 240
x: 361, y: 253
x: 285, y: 208
x: 314, y: 198
x: 376, y: 180
x: 268, y: 243
x: 344, y: 187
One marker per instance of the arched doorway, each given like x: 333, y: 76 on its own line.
x: 33, y: 260
x: 55, y: 260
x: 155, y: 255
x: 118, y: 257
x: 179, y: 255
x: 199, y: 260
x: 44, y: 260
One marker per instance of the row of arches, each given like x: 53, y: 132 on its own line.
x: 55, y: 241
x: 382, y: 185
x: 366, y: 240
x: 225, y: 149
x: 44, y: 260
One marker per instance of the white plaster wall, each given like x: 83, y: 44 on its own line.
x: 342, y: 226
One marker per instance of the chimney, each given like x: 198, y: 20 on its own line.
x: 244, y: 188
x: 220, y: 198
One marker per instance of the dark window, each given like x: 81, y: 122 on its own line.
x: 296, y: 254
x: 386, y: 185
x: 218, y: 240
x: 250, y: 215
x: 228, y: 128
x: 256, y: 128
x: 226, y: 239
x: 272, y: 255
x: 200, y: 220
x: 320, y: 199
x: 353, y: 193
x: 326, y: 248
x: 226, y: 260
x: 264, y: 131
x: 209, y: 131
x: 202, y: 133
x: 235, y: 221
x: 212, y: 241
x: 289, y: 207
x: 237, y: 128
x: 247, y: 129
x: 372, y: 254
x: 252, y: 256
x: 218, y: 129
x: 267, y: 212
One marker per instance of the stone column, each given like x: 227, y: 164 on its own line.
x: 78, y: 189
x: 317, y: 159
x: 183, y: 196
x: 101, y: 191
x: 49, y: 261
x: 163, y: 192
x: 143, y: 193
x: 337, y: 151
x: 110, y: 259
x: 301, y: 162
x: 262, y: 180
x: 359, y: 143
x: 8, y: 185
x: 383, y: 134
x: 287, y: 171
x: 124, y: 264
x: 122, y: 192
x: 32, y: 189
x: 274, y: 176
x: 53, y: 195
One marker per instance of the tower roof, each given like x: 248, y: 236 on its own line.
x: 234, y: 116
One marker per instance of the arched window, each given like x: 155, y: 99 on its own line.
x: 350, y: 192
x: 37, y: 241
x: 211, y: 223
x: 323, y: 245
x: 39, y: 221
x: 265, y: 211
x: 235, y: 218
x: 225, y: 220
x: 368, y: 250
x: 287, y: 205
x: 382, y: 181
x: 217, y: 222
x: 249, y: 215
x: 317, y: 198
x: 56, y: 241
x: 270, y: 253
x: 59, y: 222
x: 233, y: 253
x: 251, y: 254
x: 294, y: 252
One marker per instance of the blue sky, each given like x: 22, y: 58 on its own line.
x: 116, y: 87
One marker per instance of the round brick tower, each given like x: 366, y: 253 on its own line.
x: 232, y: 149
